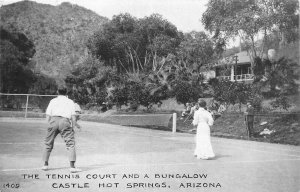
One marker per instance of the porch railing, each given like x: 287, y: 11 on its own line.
x: 243, y: 77
x: 223, y: 77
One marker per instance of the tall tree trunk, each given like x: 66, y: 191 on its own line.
x: 283, y: 41
x: 264, y: 43
x: 253, y: 52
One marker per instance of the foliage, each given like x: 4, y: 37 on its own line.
x: 160, y: 35
x: 278, y: 83
x: 119, y: 97
x: 275, y: 80
x: 93, y: 83
x: 280, y: 78
x: 87, y: 82
x: 147, y: 54
x: 281, y: 102
x: 16, y: 51
x: 135, y: 89
x: 195, y: 50
x: 259, y: 67
x: 43, y: 85
x: 256, y: 99
x: 275, y: 20
x: 17, y: 74
x: 230, y: 93
x: 247, y: 19
x: 184, y: 92
x: 138, y: 94
x: 59, y: 33
x: 130, y: 45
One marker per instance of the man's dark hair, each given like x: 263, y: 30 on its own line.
x: 62, y: 91
x: 202, y: 103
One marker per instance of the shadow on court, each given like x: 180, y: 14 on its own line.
x: 119, y: 158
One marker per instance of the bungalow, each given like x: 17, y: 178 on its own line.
x: 234, y: 68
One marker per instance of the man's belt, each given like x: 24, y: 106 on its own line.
x: 60, y: 116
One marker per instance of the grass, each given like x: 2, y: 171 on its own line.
x: 231, y: 125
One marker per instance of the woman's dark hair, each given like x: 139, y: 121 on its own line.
x: 202, y: 103
x: 62, y: 91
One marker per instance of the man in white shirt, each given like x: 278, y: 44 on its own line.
x: 60, y: 114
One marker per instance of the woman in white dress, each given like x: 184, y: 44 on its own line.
x: 203, y: 119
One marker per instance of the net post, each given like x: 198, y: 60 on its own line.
x: 26, y: 106
x: 174, y: 123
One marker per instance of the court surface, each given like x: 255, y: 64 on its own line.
x: 119, y: 158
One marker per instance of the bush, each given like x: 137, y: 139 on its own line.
x: 278, y: 83
x: 185, y: 92
x: 228, y: 92
x: 119, y: 97
x: 282, y: 102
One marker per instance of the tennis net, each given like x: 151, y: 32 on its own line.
x: 34, y: 106
x: 155, y: 121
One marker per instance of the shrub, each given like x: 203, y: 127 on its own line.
x: 185, y: 92
x: 119, y: 97
x: 282, y: 102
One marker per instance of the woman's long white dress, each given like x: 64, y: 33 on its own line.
x: 203, y: 119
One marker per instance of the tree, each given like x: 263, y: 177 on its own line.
x: 184, y: 92
x: 195, y: 50
x: 281, y: 102
x: 87, y: 82
x: 15, y: 62
x: 43, y: 85
x: 151, y: 58
x: 281, y: 79
x: 119, y: 96
x: 131, y: 45
x: 250, y: 18
x: 160, y: 35
x: 17, y: 69
x: 230, y: 93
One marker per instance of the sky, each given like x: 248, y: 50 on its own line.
x: 184, y: 14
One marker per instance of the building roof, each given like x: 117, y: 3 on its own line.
x: 242, y: 58
x: 238, y: 58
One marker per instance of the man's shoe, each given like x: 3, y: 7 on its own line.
x: 45, y: 168
x: 203, y: 158
x: 74, y: 170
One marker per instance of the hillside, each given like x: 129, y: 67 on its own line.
x: 59, y: 32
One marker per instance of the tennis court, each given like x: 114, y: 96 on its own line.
x: 121, y: 158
